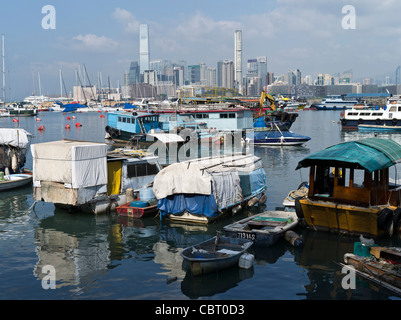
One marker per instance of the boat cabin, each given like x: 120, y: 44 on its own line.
x: 133, y: 123
x: 349, y: 186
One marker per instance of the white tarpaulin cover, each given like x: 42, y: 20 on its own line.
x: 167, y: 137
x: 15, y: 137
x: 196, y: 176
x: 80, y: 164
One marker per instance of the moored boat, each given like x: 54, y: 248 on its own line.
x: 335, y: 102
x: 203, y: 190
x: 78, y: 175
x: 264, y: 229
x: 380, y: 265
x: 349, y: 190
x: 215, y: 254
x: 374, y: 118
x: 13, y: 181
x: 276, y: 138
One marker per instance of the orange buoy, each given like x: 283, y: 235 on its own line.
x: 15, y: 120
x: 67, y: 126
x: 78, y: 124
x: 41, y: 128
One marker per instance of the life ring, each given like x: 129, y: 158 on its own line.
x: 378, y: 121
x: 360, y: 121
x: 394, y: 121
x: 298, y: 208
x: 385, y: 220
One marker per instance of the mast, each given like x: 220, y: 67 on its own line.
x: 61, y: 85
x: 4, y: 71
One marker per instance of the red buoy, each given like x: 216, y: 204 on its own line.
x: 67, y: 126
x: 41, y: 128
x: 101, y: 116
x: 68, y: 118
x: 15, y: 120
x: 78, y: 124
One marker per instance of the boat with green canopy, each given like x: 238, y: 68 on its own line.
x: 350, y: 190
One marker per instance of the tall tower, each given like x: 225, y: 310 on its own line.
x: 238, y: 59
x: 143, y: 47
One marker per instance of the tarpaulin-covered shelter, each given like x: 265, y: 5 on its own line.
x: 14, y: 143
x: 83, y: 175
x: 200, y: 190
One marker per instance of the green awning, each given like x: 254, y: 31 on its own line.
x: 371, y: 154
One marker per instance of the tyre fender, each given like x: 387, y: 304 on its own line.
x: 298, y: 208
x: 385, y: 220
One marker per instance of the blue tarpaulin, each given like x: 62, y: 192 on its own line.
x: 194, y: 203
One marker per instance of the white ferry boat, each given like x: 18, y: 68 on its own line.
x: 378, y: 118
x: 334, y: 102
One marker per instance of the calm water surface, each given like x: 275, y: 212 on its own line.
x: 105, y: 257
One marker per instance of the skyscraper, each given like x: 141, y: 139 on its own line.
x: 143, y: 47
x: 228, y: 74
x: 238, y: 59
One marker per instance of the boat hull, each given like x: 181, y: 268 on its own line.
x: 343, y: 218
x: 206, y: 257
x: 16, y: 181
x: 375, y: 271
x: 264, y: 229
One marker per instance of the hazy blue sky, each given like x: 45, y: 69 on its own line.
x: 103, y: 35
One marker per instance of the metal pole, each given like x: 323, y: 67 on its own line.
x: 4, y: 72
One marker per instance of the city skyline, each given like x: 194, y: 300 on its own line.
x: 305, y: 35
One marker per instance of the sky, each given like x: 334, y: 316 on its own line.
x: 314, y: 36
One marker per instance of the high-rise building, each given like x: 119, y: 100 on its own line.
x: 219, y: 73
x: 143, y: 47
x: 238, y: 59
x: 262, y: 71
x: 194, y: 74
x: 227, y: 74
x: 133, y: 74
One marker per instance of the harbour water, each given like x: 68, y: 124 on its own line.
x: 105, y: 257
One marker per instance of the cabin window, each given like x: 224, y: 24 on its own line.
x: 141, y: 170
x: 231, y: 115
x: 399, y: 109
x: 124, y: 119
x: 353, y: 178
x: 393, y: 109
x: 377, y: 114
x: 119, y: 119
x: 364, y: 114
x: 223, y: 115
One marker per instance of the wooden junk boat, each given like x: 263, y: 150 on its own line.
x: 349, y: 188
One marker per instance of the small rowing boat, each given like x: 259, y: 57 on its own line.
x: 265, y: 228
x: 214, y: 254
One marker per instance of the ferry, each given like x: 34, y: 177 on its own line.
x: 334, y: 102
x: 377, y: 118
